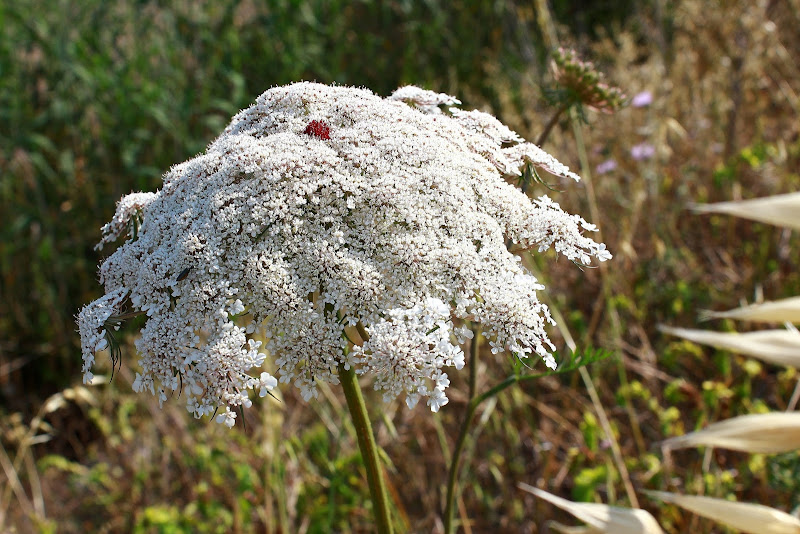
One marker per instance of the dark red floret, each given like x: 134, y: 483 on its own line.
x: 318, y: 129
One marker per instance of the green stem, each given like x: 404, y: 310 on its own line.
x: 452, y: 478
x: 369, y: 449
x: 474, y: 402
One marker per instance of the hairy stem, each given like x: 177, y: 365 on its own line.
x: 369, y: 449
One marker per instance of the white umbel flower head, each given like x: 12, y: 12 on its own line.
x: 320, y: 208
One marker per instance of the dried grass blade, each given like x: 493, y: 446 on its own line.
x: 747, y: 517
x: 767, y: 433
x: 780, y: 210
x: 779, y: 347
x: 777, y: 311
x: 601, y: 517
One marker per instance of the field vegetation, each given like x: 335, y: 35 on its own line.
x: 98, y: 99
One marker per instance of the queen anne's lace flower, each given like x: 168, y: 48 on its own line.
x: 129, y: 210
x: 92, y: 326
x: 425, y: 100
x: 320, y: 209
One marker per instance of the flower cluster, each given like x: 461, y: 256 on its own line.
x: 323, y: 211
x: 583, y: 82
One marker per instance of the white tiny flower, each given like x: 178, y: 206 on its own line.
x: 228, y: 418
x: 237, y: 307
x: 391, y: 213
x: 602, y: 254
x: 101, y: 344
x: 128, y: 208
x: 437, y: 399
x: 463, y: 333
x: 423, y: 99
x: 486, y: 124
x: 532, y: 154
x: 267, y: 382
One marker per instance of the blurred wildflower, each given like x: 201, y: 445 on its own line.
x: 323, y: 208
x: 642, y: 151
x: 582, y: 82
x: 640, y: 100
x: 606, y: 166
x: 747, y: 517
x: 601, y: 518
x: 766, y: 433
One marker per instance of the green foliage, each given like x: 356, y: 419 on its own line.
x: 591, y: 432
x: 587, y: 482
x: 340, y: 490
x: 753, y: 157
x: 206, y: 479
x: 783, y: 474
x: 103, y: 104
x: 166, y: 519
x: 567, y: 363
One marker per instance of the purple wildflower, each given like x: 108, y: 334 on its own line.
x: 645, y: 98
x: 606, y: 166
x: 642, y: 151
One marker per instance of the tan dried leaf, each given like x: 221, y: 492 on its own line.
x: 780, y: 210
x: 778, y: 311
x: 602, y: 518
x: 747, y: 517
x: 756, y: 433
x: 779, y: 347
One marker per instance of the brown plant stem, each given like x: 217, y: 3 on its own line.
x: 551, y: 124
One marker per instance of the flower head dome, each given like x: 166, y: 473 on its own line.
x: 320, y: 209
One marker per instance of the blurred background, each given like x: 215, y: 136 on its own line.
x: 100, y: 98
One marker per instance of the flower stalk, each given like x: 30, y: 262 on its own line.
x: 368, y: 447
x: 336, y: 188
x: 395, y: 214
x: 452, y: 478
